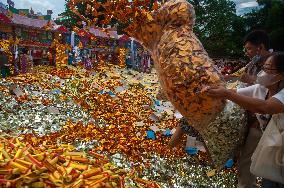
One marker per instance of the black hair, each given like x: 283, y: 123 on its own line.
x: 258, y: 37
x: 25, y: 51
x: 278, y: 59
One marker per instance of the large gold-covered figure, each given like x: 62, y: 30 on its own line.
x: 183, y: 66
x: 185, y: 71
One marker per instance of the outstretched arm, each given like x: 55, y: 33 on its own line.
x: 270, y: 106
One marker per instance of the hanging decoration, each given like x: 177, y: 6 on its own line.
x: 6, y: 45
x: 121, y: 57
x: 80, y: 45
x: 61, y: 55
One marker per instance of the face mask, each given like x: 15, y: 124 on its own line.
x: 256, y: 58
x: 267, y: 79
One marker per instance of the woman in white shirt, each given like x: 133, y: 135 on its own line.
x: 265, y: 98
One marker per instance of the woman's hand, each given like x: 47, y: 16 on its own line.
x: 217, y: 91
x: 245, y: 78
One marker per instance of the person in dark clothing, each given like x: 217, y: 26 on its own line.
x: 4, y: 64
x: 257, y: 49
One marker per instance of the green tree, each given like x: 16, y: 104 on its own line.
x: 218, y: 27
x: 68, y: 18
x: 269, y: 18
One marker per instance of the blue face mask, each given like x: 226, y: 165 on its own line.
x: 256, y: 58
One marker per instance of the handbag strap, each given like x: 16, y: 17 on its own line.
x: 264, y: 126
x: 268, y: 119
x: 270, y: 116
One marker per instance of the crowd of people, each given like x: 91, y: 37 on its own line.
x: 229, y: 66
x: 262, y: 154
x: 24, y: 63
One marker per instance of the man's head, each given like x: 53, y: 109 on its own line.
x: 256, y: 43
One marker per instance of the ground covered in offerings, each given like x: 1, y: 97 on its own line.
x: 101, y: 128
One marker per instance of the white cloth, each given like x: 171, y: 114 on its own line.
x: 255, y: 91
x: 260, y: 92
x: 268, y: 158
x: 30, y: 58
x: 280, y: 97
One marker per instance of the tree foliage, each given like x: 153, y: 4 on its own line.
x: 68, y: 18
x: 269, y: 18
x: 218, y: 27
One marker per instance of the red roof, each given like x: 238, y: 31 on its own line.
x: 83, y: 33
x: 4, y: 18
x: 124, y: 38
x: 62, y: 29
